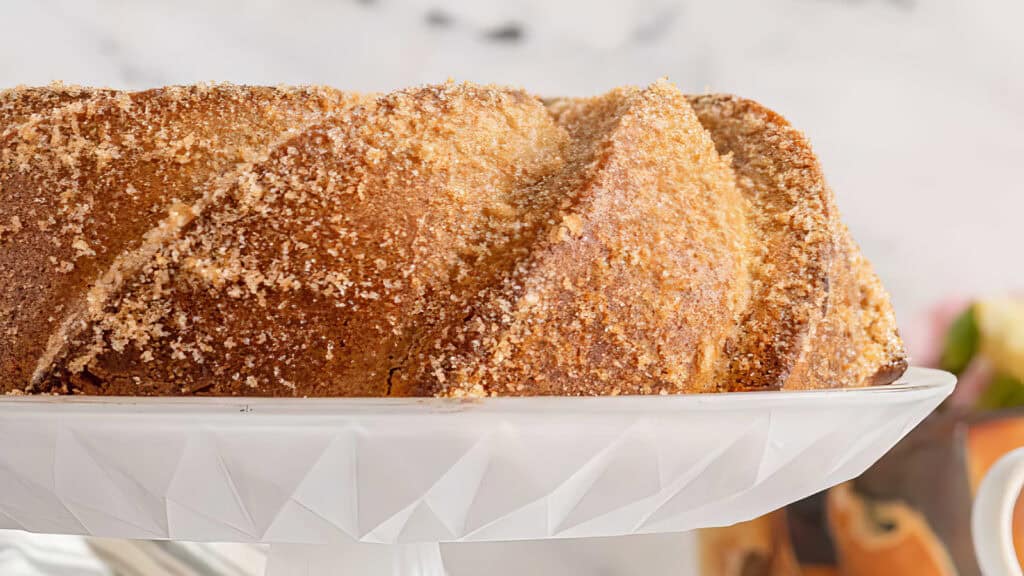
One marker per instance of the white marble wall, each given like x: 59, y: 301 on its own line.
x: 913, y: 105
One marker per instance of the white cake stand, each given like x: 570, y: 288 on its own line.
x: 372, y: 486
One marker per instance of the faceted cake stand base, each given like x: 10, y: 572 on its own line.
x: 371, y: 486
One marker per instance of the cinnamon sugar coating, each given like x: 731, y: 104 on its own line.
x: 446, y: 240
x: 91, y: 180
x: 818, y: 314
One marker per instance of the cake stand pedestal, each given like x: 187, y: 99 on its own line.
x: 372, y: 486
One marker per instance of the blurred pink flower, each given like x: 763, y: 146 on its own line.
x: 972, y: 382
x: 927, y: 341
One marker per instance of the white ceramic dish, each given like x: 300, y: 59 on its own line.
x: 345, y: 472
x: 992, y: 516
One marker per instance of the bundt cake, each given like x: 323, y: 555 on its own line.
x: 452, y: 240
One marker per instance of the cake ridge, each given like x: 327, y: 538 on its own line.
x: 636, y: 111
x: 794, y: 212
x: 69, y: 154
x: 774, y: 159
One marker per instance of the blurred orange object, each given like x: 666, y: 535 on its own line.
x: 986, y: 442
x: 874, y: 538
x: 760, y: 547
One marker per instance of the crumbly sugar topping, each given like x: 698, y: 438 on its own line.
x: 455, y: 240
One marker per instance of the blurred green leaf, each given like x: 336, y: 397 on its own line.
x: 961, y: 342
x: 1003, y: 392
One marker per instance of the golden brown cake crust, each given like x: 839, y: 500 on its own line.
x: 85, y: 181
x: 819, y: 317
x: 452, y: 240
x: 20, y: 104
x: 792, y: 217
x: 637, y: 279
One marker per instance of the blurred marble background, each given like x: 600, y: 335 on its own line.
x: 913, y: 105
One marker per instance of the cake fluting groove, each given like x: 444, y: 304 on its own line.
x: 453, y: 240
x: 818, y: 311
